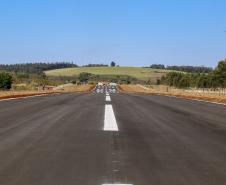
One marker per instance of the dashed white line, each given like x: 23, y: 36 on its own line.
x: 117, y: 184
x: 115, y: 161
x: 108, y: 98
x: 110, y: 123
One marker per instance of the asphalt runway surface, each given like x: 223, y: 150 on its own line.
x: 112, y: 138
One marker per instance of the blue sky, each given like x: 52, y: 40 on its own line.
x: 130, y: 32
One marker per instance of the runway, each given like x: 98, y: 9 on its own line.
x: 106, y: 137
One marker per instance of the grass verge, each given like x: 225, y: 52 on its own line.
x: 69, y: 89
x: 166, y: 91
x: 9, y: 95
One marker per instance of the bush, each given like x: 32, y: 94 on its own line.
x: 113, y: 64
x: 157, y: 66
x: 84, y: 77
x: 184, y: 82
x: 91, y: 83
x: 5, y: 81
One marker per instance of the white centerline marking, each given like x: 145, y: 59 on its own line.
x: 117, y: 184
x: 109, y: 119
x: 108, y: 98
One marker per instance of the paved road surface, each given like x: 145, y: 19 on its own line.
x: 61, y: 140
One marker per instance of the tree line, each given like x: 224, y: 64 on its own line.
x: 35, y: 68
x: 214, y: 79
x: 95, y: 65
x: 121, y: 79
x: 28, y: 72
x: 112, y: 64
x: 39, y: 68
x: 189, y: 69
x: 33, y: 73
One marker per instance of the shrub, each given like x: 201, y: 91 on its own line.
x: 84, y: 77
x: 5, y: 81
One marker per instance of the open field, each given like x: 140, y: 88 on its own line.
x: 216, y: 96
x: 137, y: 72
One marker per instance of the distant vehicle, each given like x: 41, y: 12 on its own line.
x: 113, y: 84
x: 100, y: 84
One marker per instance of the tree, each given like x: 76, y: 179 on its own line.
x: 172, y: 78
x: 203, y: 81
x: 5, y: 81
x: 184, y: 82
x: 84, y: 77
x: 215, y: 79
x: 221, y: 68
x: 220, y: 73
x: 157, y: 66
x: 41, y: 81
x: 158, y: 82
x: 113, y: 64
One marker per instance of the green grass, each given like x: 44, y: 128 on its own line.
x: 137, y: 72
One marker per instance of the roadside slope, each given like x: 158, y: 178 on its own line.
x: 68, y: 88
x: 140, y: 89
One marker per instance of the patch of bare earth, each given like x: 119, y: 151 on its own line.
x: 218, y: 97
x: 68, y: 89
x: 20, y: 94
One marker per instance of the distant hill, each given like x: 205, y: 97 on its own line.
x: 136, y: 72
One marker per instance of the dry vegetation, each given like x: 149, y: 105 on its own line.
x: 212, y: 96
x: 70, y: 88
x: 18, y: 94
x: 67, y: 89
